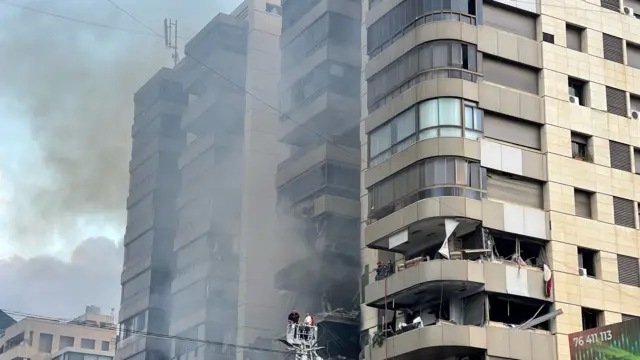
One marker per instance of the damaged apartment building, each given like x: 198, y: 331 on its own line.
x: 200, y: 251
x: 500, y: 177
x: 318, y: 184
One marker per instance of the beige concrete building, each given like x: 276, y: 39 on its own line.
x: 91, y: 336
x: 511, y: 126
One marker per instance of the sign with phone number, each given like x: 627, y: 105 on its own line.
x: 592, y: 338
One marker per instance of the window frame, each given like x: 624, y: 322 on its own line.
x: 396, y: 145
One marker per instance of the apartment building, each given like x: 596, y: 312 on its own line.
x: 91, y: 336
x: 500, y: 141
x: 318, y: 184
x: 151, y: 217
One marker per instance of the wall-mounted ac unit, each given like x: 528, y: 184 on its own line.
x: 582, y: 272
x: 627, y: 11
x: 634, y: 114
x: 574, y: 100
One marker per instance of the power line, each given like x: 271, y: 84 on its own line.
x: 140, y: 333
x: 76, y: 20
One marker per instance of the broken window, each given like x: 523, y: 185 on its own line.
x: 519, y: 249
x: 587, y: 262
x: 515, y: 310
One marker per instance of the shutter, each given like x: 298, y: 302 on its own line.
x: 626, y: 317
x: 612, y: 48
x: 511, y: 21
x: 510, y: 74
x: 516, y: 191
x: 616, y: 101
x: 620, y: 156
x: 512, y: 130
x: 613, y: 5
x: 623, y: 213
x: 628, y: 270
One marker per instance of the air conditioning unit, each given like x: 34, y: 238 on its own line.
x: 627, y: 11
x: 634, y: 114
x: 582, y: 272
x: 574, y: 100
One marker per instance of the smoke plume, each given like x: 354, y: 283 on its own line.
x: 74, y: 83
x: 51, y: 287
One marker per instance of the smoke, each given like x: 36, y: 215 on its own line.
x: 74, y: 84
x: 51, y: 287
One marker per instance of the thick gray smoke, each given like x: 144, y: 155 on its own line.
x: 51, y: 287
x: 75, y: 85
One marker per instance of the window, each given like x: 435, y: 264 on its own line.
x: 635, y: 5
x: 633, y: 54
x: 628, y: 270
x: 425, y: 179
x: 294, y: 10
x: 441, y: 117
x: 45, y: 345
x: 512, y: 130
x: 578, y: 88
x: 550, y: 38
x: 636, y: 158
x: 623, y: 213
x: 574, y: 37
x: 412, y: 13
x: 436, y: 59
x: 634, y: 104
x: 274, y: 9
x: 626, y: 317
x: 134, y: 324
x: 592, y: 318
x: 620, y: 155
x: 136, y: 285
x: 65, y: 342
x: 587, y: 261
x: 612, y: 48
x: 616, y: 101
x: 613, y: 5
x: 582, y: 200
x: 105, y: 346
x: 510, y: 74
x: 579, y: 146
x: 510, y: 20
x: 88, y: 344
x: 514, y: 189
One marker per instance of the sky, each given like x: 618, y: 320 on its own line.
x: 66, y: 105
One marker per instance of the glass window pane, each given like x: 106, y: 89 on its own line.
x: 450, y: 132
x: 450, y: 171
x: 473, y: 135
x: 428, y: 114
x: 380, y: 140
x: 468, y: 117
x: 461, y: 172
x: 428, y: 134
x: 449, y: 111
x: 405, y: 125
x: 430, y: 173
x: 478, y: 119
x: 440, y: 172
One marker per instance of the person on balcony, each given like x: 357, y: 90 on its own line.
x: 294, y: 317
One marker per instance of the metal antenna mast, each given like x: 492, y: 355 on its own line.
x: 171, y: 38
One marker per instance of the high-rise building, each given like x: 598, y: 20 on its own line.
x: 151, y: 217
x: 318, y: 184
x: 203, y: 208
x: 501, y: 147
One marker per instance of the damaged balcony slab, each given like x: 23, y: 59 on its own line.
x: 446, y: 340
x: 426, y: 280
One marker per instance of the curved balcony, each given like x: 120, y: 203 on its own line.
x: 428, y: 279
x: 445, y: 340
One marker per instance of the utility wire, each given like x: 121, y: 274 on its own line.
x: 141, y: 333
x: 79, y: 21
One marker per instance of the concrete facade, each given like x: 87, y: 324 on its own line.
x: 91, y: 334
x: 556, y: 84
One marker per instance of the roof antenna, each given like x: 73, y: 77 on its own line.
x: 171, y: 38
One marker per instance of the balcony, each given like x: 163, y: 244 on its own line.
x: 443, y: 340
x: 318, y: 271
x: 302, y: 161
x: 429, y: 280
x: 220, y: 108
x: 328, y: 114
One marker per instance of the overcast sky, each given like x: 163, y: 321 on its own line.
x: 66, y: 91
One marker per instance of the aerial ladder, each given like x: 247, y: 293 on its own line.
x: 302, y: 340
